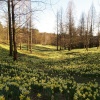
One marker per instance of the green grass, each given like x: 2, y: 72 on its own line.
x: 50, y: 74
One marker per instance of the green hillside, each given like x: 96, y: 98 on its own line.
x: 47, y: 74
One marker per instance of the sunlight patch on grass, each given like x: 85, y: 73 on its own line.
x: 4, y: 46
x: 49, y: 52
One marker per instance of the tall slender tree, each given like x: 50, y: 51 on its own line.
x: 87, y: 32
x: 13, y: 30
x: 57, y: 27
x: 10, y: 32
x: 30, y: 37
x: 61, y: 28
x: 92, y: 23
x: 70, y: 23
x: 82, y: 30
x: 98, y: 34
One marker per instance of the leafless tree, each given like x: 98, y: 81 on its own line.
x: 61, y: 27
x: 57, y: 27
x: 87, y: 32
x: 92, y: 23
x: 30, y: 43
x: 10, y: 32
x: 98, y: 34
x: 82, y: 30
x: 70, y: 22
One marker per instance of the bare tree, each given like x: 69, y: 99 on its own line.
x: 82, y: 30
x: 87, y: 32
x: 92, y: 24
x: 61, y: 28
x: 13, y: 30
x: 30, y: 43
x: 98, y: 34
x: 8, y: 20
x: 10, y: 32
x: 70, y: 22
x: 57, y: 28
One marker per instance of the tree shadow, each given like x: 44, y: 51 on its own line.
x: 72, y: 53
x: 86, y: 63
x: 44, y: 49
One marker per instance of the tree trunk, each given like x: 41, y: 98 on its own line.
x: 13, y: 29
x: 10, y: 33
x: 60, y: 41
x: 20, y: 43
x: 57, y: 40
x: 70, y: 37
x: 30, y: 29
x: 87, y: 40
x: 57, y: 31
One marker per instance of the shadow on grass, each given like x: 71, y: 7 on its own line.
x: 34, y: 62
x: 39, y: 48
x: 72, y: 53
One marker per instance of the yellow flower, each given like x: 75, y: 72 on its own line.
x: 18, y: 78
x: 90, y: 95
x: 39, y: 95
x: 86, y: 93
x: 21, y: 97
x: 79, y: 93
x: 27, y: 98
x: 75, y: 98
x: 84, y: 96
x: 7, y: 88
x: 2, y: 98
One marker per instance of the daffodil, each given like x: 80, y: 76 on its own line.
x: 39, y: 95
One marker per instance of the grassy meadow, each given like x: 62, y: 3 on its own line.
x: 47, y: 74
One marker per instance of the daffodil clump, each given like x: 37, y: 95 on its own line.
x: 89, y: 91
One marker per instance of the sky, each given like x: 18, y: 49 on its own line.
x: 46, y: 20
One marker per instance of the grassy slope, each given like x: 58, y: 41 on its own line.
x: 45, y: 63
x: 84, y: 65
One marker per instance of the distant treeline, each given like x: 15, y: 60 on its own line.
x: 78, y: 41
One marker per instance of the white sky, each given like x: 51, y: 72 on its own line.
x: 47, y: 20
